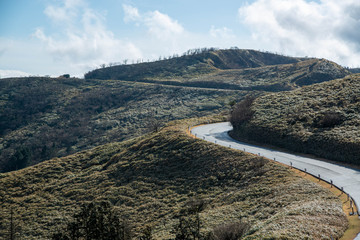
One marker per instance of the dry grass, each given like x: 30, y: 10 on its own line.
x: 354, y: 222
x: 150, y: 179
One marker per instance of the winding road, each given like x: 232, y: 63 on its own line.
x: 342, y: 177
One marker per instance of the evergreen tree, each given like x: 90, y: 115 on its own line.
x: 95, y: 222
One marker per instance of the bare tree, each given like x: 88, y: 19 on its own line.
x: 14, y: 228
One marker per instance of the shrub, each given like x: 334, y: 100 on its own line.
x: 231, y: 231
x: 194, y: 206
x: 188, y: 228
x: 329, y: 120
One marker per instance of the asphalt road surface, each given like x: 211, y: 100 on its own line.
x: 344, y: 178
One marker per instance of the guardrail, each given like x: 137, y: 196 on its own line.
x: 351, y: 199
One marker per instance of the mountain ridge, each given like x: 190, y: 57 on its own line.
x: 206, y: 61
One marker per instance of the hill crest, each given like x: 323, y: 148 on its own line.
x: 192, y: 64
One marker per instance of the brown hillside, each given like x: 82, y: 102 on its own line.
x: 322, y: 119
x: 150, y: 179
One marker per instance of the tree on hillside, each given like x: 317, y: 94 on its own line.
x: 95, y: 221
x: 242, y: 112
x: 189, y: 226
x: 153, y: 124
x: 14, y: 228
x: 18, y: 160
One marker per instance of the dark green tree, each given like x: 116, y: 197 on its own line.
x: 188, y: 228
x: 189, y: 225
x: 14, y: 227
x: 95, y: 221
x: 242, y: 112
x: 19, y: 159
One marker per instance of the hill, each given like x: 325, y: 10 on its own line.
x: 41, y: 118
x: 322, y: 119
x: 272, y: 78
x: 228, y: 69
x: 149, y: 180
x: 192, y: 64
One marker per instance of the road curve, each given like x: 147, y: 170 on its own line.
x: 342, y: 177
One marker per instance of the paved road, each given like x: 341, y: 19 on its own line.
x: 342, y: 177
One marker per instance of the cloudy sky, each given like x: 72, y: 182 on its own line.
x: 53, y: 37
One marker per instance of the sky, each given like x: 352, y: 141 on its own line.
x: 55, y: 37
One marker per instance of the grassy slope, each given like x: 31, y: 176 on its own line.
x: 150, y: 179
x: 294, y: 120
x: 56, y: 117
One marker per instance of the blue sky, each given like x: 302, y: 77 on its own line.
x: 53, y: 37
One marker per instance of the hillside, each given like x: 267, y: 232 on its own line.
x: 271, y: 78
x: 322, y: 119
x: 150, y: 179
x: 191, y: 65
x: 41, y: 118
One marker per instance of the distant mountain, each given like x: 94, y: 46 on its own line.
x: 271, y: 78
x: 228, y: 69
x: 159, y: 178
x: 321, y: 119
x: 42, y: 118
x: 192, y: 65
x: 354, y: 70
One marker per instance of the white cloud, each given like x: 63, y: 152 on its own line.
x: 165, y: 36
x: 328, y: 28
x: 66, y: 13
x: 162, y: 26
x: 2, y: 51
x: 159, y: 25
x: 131, y: 13
x: 224, y: 33
x: 84, y: 41
x: 12, y: 73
